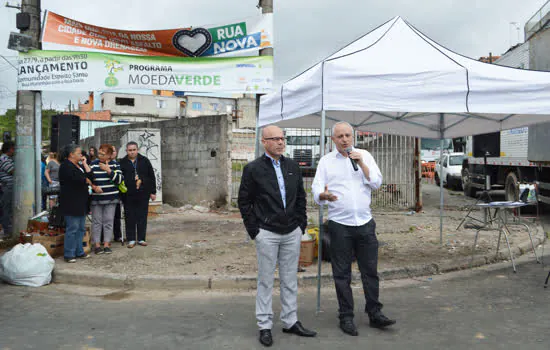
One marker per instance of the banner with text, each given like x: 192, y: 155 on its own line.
x: 252, y: 34
x: 88, y: 71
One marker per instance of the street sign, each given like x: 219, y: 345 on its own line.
x: 19, y: 42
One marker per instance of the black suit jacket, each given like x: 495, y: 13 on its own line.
x: 260, y: 200
x: 73, y: 193
x: 145, y: 172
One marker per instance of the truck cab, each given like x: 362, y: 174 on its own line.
x: 303, y: 145
x: 449, y: 169
x: 430, y: 149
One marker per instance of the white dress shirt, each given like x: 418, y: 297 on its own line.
x: 351, y: 187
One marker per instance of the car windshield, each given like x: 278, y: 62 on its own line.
x: 434, y: 144
x: 456, y: 160
x: 302, y: 140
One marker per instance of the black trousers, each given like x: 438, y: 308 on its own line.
x: 136, y: 209
x: 117, y: 233
x: 344, y: 242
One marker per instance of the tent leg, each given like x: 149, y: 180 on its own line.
x: 320, y: 243
x: 441, y: 193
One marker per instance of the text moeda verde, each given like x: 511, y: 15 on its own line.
x: 173, y: 79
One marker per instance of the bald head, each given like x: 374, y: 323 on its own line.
x: 273, y: 140
x: 338, y: 126
x: 342, y: 136
x: 271, y: 130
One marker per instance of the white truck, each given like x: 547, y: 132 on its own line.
x: 513, y: 156
x: 430, y: 149
x: 302, y: 145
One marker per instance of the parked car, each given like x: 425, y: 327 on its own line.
x: 450, y: 172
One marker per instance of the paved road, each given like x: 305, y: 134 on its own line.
x: 491, y: 308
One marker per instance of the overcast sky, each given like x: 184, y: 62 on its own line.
x: 305, y: 30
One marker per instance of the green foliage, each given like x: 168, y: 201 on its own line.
x: 7, y: 122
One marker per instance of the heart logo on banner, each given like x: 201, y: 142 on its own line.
x: 192, y: 43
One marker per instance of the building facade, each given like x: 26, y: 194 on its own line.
x: 165, y: 105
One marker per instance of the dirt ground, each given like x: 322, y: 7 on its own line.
x: 212, y: 244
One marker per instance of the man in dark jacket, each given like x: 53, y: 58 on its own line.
x: 272, y: 201
x: 139, y: 177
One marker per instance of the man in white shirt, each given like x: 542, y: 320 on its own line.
x: 346, y: 188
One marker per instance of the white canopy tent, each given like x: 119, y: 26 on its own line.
x: 396, y: 80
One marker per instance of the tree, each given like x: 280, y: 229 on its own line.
x: 7, y: 123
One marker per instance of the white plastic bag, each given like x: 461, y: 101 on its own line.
x: 27, y: 265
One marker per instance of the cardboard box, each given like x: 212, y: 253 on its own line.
x: 53, y: 244
x: 86, y: 244
x: 307, y: 249
x: 37, y: 226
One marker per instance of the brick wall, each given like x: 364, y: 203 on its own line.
x: 94, y: 115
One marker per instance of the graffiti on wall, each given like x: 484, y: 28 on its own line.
x: 148, y: 141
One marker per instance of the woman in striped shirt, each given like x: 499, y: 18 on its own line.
x: 105, y: 197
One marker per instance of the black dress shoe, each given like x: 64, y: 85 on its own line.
x: 348, y: 327
x: 378, y: 320
x: 265, y: 337
x: 298, y: 329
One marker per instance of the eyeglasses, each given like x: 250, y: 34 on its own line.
x: 276, y: 139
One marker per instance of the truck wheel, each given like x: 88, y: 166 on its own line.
x: 450, y: 185
x: 467, y: 187
x: 436, y: 179
x: 511, y: 187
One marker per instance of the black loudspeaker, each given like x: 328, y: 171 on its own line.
x: 65, y: 131
x: 486, y: 143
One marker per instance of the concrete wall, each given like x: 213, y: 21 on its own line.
x: 196, y: 157
x: 218, y: 105
x: 208, y: 105
x: 158, y: 106
x: 242, y: 146
x: 539, y: 47
x: 247, y: 119
x: 137, y: 118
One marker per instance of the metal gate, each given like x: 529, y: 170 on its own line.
x: 393, y: 154
x: 395, y: 157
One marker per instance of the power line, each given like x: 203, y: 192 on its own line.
x: 7, y: 88
x: 11, y: 64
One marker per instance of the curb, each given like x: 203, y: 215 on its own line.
x: 180, y: 283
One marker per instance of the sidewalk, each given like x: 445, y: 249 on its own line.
x: 192, y: 250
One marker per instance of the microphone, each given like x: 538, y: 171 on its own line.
x: 353, y: 162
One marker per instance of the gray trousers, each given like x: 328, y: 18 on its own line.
x: 284, y: 249
x: 103, y: 216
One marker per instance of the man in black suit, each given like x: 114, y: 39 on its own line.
x: 272, y: 201
x: 139, y: 177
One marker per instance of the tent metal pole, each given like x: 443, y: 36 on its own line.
x: 320, y: 243
x: 441, y: 193
x: 441, y: 120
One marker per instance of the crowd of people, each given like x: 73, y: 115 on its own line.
x: 272, y: 202
x: 98, y: 184
x: 77, y: 184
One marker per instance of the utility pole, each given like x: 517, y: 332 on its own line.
x: 29, y: 111
x: 267, y: 7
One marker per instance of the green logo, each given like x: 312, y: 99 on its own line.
x: 112, y: 67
